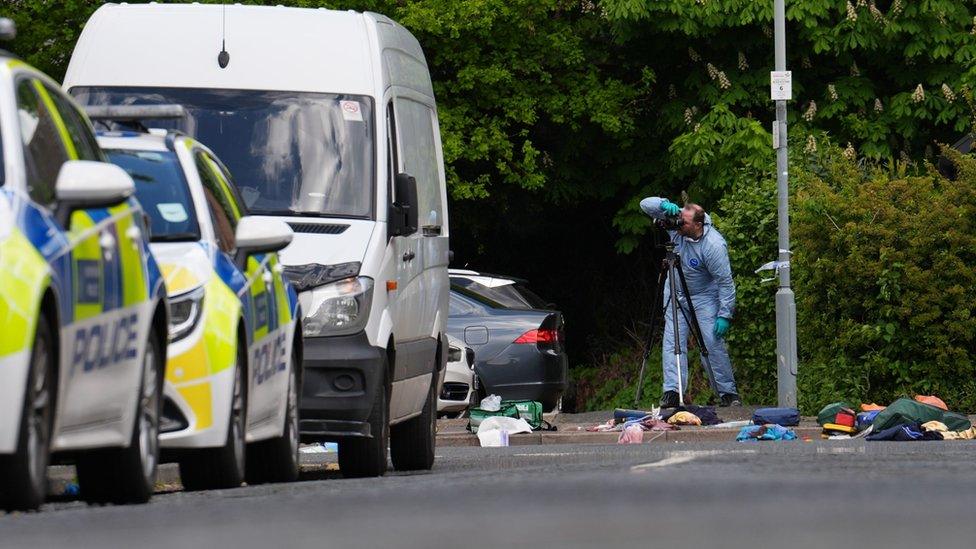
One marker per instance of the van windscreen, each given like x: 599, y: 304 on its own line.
x: 290, y: 153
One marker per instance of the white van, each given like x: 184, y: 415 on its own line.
x: 326, y: 120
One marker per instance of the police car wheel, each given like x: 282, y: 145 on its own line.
x: 361, y: 457
x: 23, y: 475
x: 412, y: 442
x: 128, y: 475
x: 224, y: 467
x: 277, y: 460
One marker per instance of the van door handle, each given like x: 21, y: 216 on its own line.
x: 408, y: 256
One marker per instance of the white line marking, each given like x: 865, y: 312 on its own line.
x: 673, y: 460
x: 676, y: 458
x: 551, y: 454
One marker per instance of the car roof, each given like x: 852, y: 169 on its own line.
x: 487, y: 279
x: 131, y: 141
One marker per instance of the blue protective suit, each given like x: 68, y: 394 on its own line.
x: 705, y: 263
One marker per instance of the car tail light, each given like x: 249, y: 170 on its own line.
x: 539, y: 336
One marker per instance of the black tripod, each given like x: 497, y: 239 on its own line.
x: 671, y: 270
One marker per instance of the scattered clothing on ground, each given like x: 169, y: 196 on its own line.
x: 706, y: 414
x: 684, y: 418
x: 632, y: 434
x: 907, y: 411
x: 905, y: 432
x: 765, y: 432
x: 872, y: 407
x: 932, y: 401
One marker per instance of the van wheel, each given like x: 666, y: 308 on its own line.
x: 128, y: 475
x: 366, y: 457
x: 23, y: 475
x: 412, y: 442
x: 213, y: 468
x: 277, y: 460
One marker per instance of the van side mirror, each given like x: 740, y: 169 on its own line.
x: 84, y: 184
x: 260, y: 235
x: 403, y: 210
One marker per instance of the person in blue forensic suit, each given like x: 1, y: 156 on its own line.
x: 705, y: 262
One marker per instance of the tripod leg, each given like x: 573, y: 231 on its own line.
x: 675, y: 304
x: 656, y: 309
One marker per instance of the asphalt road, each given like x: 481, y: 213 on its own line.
x: 797, y: 494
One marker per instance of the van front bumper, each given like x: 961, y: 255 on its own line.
x: 339, y: 379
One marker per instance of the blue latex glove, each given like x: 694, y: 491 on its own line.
x: 722, y: 326
x: 669, y: 207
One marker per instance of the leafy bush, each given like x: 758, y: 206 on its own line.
x: 885, y: 281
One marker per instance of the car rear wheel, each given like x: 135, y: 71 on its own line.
x: 366, y: 457
x: 128, y: 475
x: 23, y: 475
x: 224, y: 467
x: 277, y: 460
x: 412, y: 442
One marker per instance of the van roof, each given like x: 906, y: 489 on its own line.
x: 269, y: 48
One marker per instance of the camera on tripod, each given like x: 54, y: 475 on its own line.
x: 670, y: 222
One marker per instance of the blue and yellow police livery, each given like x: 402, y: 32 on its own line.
x: 230, y: 396
x: 83, y: 319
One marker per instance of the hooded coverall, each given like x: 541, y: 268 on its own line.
x: 705, y: 263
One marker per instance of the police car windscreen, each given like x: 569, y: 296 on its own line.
x: 162, y: 191
x: 290, y: 153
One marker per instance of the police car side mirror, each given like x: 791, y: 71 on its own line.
x: 84, y: 184
x: 260, y: 235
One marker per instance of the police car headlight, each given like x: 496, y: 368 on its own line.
x: 340, y: 308
x: 185, y: 311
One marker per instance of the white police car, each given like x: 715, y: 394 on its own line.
x: 83, y: 322
x: 230, y: 408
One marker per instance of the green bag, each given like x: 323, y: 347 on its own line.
x: 829, y: 412
x: 529, y: 410
x: 477, y: 415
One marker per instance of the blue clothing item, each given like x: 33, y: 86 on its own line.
x: 705, y: 263
x: 765, y: 432
x: 905, y: 433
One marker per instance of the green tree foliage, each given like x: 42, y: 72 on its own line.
x: 890, y: 77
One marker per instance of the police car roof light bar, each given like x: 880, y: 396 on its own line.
x: 133, y: 113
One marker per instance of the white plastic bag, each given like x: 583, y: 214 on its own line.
x: 494, y: 430
x: 491, y: 403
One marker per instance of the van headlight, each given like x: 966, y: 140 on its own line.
x: 185, y: 311
x: 340, y: 308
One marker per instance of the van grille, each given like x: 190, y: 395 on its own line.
x: 318, y: 228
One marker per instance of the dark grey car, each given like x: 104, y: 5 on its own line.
x: 518, y: 340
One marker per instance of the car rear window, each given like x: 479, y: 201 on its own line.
x: 510, y: 295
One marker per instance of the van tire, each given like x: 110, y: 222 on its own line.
x: 128, y: 475
x: 23, y: 474
x: 224, y: 467
x: 412, y: 442
x: 277, y: 460
x: 361, y: 457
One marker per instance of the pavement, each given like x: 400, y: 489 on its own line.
x: 571, y: 429
x: 695, y: 494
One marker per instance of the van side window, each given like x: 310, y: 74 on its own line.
x: 44, y: 153
x: 79, y: 131
x: 417, y: 145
